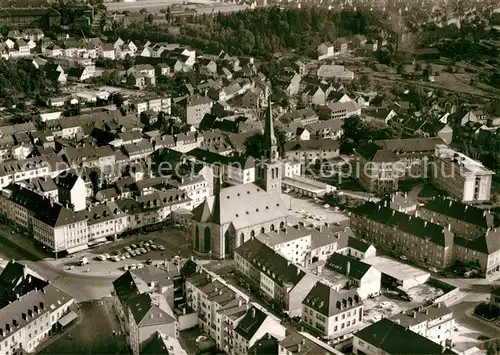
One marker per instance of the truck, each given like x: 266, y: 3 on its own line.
x: 84, y: 261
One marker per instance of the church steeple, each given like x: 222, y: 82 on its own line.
x: 269, y: 169
x: 269, y: 136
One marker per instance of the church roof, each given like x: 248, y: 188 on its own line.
x: 243, y: 205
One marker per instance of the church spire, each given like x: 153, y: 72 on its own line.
x: 269, y: 137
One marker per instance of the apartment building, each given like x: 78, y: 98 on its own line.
x: 330, y: 313
x: 50, y: 224
x: 466, y: 220
x: 304, y: 245
x: 72, y: 192
x: 481, y: 253
x: 225, y: 314
x: 388, y: 337
x: 435, y: 322
x: 30, y: 309
x: 461, y: 177
x: 279, y: 279
x: 195, y: 109
x: 421, y: 241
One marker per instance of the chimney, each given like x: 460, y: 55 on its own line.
x: 298, y: 271
x: 299, y: 347
x: 425, y: 224
x: 348, y: 268
x: 24, y: 316
x: 253, y: 312
x: 303, y: 342
x: 239, y: 303
x: 449, y: 227
x: 184, y: 310
x: 414, y: 314
x: 416, y: 213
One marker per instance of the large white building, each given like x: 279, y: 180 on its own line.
x: 330, y: 313
x: 50, y: 224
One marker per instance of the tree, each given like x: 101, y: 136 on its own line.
x: 400, y: 68
x: 365, y: 81
x: 418, y: 67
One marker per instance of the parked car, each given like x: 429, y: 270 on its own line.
x: 161, y: 247
x: 126, y: 255
x: 149, y: 262
x: 127, y: 248
x: 133, y: 246
x: 101, y: 257
x: 148, y: 249
x: 107, y: 256
x: 326, y: 205
x: 140, y: 266
x: 154, y: 247
x: 125, y: 267
x: 150, y: 241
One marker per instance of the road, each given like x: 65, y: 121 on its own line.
x: 96, y: 283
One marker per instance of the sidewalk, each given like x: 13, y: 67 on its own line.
x: 23, y: 242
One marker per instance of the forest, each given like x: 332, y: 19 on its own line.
x: 261, y: 32
x: 20, y: 81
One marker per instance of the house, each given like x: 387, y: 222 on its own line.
x: 330, y: 313
x: 107, y: 51
x: 326, y: 129
x: 358, y: 249
x: 53, y: 51
x: 340, y: 110
x: 163, y: 69
x: 302, y: 343
x: 382, y: 114
x: 371, y: 45
x: 361, y: 275
x: 325, y: 50
x: 388, y: 337
x: 314, y: 94
x: 435, y: 322
x: 79, y: 74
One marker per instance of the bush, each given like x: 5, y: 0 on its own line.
x: 487, y: 311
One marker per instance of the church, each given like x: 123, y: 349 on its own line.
x: 234, y: 214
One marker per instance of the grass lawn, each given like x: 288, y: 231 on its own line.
x: 430, y: 191
x: 93, y: 335
x: 408, y: 185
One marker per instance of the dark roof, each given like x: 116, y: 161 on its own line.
x: 373, y: 152
x: 264, y: 346
x: 209, y: 157
x: 17, y: 281
x: 410, y: 144
x: 357, y: 244
x: 347, y: 265
x: 312, y: 144
x: 496, y: 291
x: 66, y: 180
x: 328, y: 302
x: 406, y: 223
x: 461, y: 211
x: 155, y: 346
x: 250, y: 323
x: 274, y: 265
x: 43, y: 209
x: 487, y: 243
x: 393, y: 338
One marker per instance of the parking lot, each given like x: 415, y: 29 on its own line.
x: 138, y: 250
x: 311, y: 212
